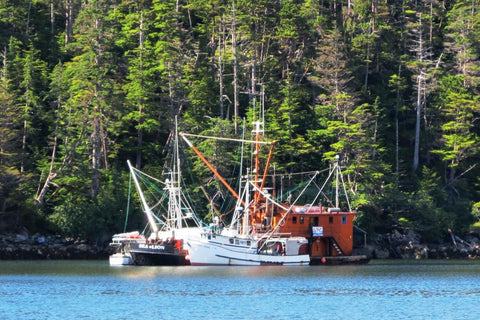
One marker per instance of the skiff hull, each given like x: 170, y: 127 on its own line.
x: 120, y: 259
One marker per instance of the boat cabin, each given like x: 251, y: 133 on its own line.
x: 330, y: 231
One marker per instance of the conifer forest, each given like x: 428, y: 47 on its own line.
x: 391, y: 87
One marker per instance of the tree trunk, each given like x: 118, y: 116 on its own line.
x: 235, y: 69
x: 96, y: 154
x: 52, y: 19
x: 220, y: 66
x: 417, y: 124
x: 141, y: 39
x: 68, y: 21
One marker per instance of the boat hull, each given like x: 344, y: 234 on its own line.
x: 120, y: 259
x: 144, y: 254
x: 218, y: 253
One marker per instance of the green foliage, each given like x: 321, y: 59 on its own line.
x: 476, y: 211
x: 332, y: 79
x: 81, y: 217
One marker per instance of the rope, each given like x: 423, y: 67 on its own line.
x: 278, y: 198
x: 222, y: 138
x: 128, y: 202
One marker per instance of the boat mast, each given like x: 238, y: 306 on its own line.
x: 246, y: 211
x: 256, y: 196
x: 336, y: 168
x: 241, y: 160
x: 148, y: 212
x: 174, y: 189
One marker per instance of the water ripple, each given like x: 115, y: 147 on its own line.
x: 93, y: 290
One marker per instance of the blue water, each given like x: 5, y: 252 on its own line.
x: 379, y: 290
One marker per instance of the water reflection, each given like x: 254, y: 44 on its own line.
x: 410, y: 268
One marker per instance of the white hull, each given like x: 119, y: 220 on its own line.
x: 219, y: 251
x: 120, y: 259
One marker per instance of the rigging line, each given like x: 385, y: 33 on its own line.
x: 288, y: 192
x: 148, y: 180
x: 151, y: 186
x: 188, y: 197
x: 226, y: 206
x: 156, y: 202
x: 266, y: 195
x: 270, y: 233
x: 128, y: 202
x: 237, y: 215
x: 323, y: 186
x: 344, y: 190
x: 298, y: 173
x: 141, y: 173
x: 226, y: 139
x: 145, y: 179
x: 320, y: 192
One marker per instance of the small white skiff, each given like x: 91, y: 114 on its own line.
x: 120, y: 259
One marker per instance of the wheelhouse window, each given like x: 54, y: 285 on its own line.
x: 301, y: 219
x: 330, y: 220
x: 294, y: 220
x: 344, y: 219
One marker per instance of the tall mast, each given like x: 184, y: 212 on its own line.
x: 175, y: 196
x: 246, y: 212
x: 256, y: 195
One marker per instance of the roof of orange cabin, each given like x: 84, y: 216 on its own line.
x: 306, y: 209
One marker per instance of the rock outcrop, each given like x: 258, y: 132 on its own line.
x: 21, y: 245
x: 406, y: 244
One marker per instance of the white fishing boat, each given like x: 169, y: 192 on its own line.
x: 248, y: 240
x: 266, y: 230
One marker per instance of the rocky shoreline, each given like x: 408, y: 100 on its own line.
x: 407, y: 244
x: 22, y: 246
x: 399, y: 244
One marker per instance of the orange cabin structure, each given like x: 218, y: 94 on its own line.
x: 330, y: 231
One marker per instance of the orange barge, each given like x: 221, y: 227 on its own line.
x: 329, y: 231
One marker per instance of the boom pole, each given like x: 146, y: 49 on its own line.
x: 200, y: 155
x: 148, y: 212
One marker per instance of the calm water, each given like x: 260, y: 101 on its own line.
x: 94, y: 290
